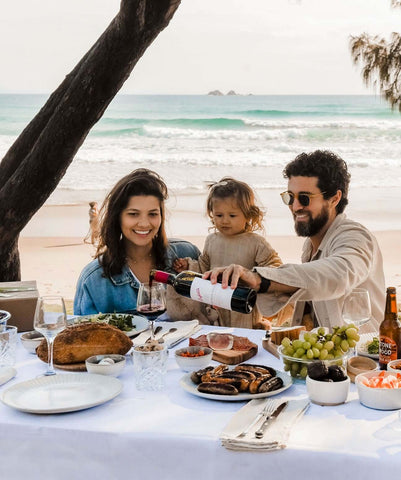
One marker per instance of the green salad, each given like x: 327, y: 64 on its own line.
x: 373, y: 346
x: 123, y: 321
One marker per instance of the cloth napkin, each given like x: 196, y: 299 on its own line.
x: 276, y: 434
x: 184, y: 330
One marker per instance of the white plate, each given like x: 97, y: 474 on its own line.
x: 188, y: 385
x: 141, y: 323
x: 366, y: 338
x: 61, y: 393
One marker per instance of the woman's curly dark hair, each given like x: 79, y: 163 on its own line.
x: 110, y: 250
x: 329, y: 168
x: 245, y: 198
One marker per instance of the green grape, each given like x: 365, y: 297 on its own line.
x: 330, y: 356
x: 307, y: 337
x: 319, y: 345
x: 321, y: 331
x: 287, y: 367
x: 328, y: 337
x: 338, y: 352
x: 304, y: 371
x: 294, y: 369
x: 344, y: 346
x: 351, y: 342
x: 352, y: 333
x: 329, y: 345
x: 350, y: 325
x: 309, y: 353
x: 336, y: 339
x: 285, y: 342
x: 288, y: 351
x: 313, y: 340
x: 300, y: 352
x: 304, y: 357
x: 316, y: 352
x: 306, y: 345
x: 323, y: 354
x: 297, y: 344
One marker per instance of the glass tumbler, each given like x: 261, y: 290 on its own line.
x: 8, y: 345
x: 150, y: 369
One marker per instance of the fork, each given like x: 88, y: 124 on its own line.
x: 267, y: 410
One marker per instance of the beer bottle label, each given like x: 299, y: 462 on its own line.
x: 387, y: 349
x: 204, y: 291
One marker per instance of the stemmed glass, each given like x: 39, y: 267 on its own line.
x: 357, y: 309
x: 151, y: 302
x: 50, y: 319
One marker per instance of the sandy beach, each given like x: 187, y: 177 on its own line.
x: 53, y: 252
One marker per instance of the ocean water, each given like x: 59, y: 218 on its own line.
x: 192, y: 140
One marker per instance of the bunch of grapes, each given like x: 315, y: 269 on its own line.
x: 318, y: 346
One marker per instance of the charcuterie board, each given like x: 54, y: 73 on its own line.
x: 233, y: 357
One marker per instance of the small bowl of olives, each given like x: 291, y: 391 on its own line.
x: 327, y: 385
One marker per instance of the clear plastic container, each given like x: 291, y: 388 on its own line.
x: 220, y: 341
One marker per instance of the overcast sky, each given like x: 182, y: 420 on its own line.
x: 250, y: 46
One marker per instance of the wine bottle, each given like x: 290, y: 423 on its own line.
x: 192, y: 285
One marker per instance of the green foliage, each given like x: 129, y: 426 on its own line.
x: 381, y: 61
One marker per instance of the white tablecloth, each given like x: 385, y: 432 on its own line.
x: 176, y: 435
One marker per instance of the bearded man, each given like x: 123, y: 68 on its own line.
x: 339, y: 254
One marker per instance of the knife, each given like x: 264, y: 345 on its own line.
x: 259, y: 433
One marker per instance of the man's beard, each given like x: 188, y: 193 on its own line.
x: 313, y: 225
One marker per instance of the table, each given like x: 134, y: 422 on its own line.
x: 175, y: 435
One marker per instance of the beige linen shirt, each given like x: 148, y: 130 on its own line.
x: 348, y: 257
x: 247, y: 249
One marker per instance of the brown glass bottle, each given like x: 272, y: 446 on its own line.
x: 389, y: 332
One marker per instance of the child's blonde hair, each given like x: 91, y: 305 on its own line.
x: 228, y: 187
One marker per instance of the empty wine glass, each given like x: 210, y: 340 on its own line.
x: 50, y: 319
x: 151, y: 302
x: 357, y: 309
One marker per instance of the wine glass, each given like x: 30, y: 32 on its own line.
x: 151, y: 302
x: 357, y: 309
x: 50, y: 319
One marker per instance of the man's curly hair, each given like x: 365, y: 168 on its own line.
x: 329, y: 168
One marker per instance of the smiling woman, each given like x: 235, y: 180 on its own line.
x: 132, y: 242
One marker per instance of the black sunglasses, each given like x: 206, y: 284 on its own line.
x: 303, y: 198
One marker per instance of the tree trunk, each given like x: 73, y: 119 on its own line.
x: 39, y: 158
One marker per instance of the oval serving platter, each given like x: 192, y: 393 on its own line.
x: 188, y: 385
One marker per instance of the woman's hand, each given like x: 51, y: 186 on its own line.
x: 180, y: 264
x: 231, y: 274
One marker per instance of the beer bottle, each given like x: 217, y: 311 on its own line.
x: 389, y: 332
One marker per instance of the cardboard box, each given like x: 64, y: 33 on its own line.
x: 21, y: 303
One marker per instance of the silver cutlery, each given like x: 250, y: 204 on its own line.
x: 267, y: 410
x: 172, y: 330
x: 181, y: 339
x: 270, y: 418
x: 157, y: 330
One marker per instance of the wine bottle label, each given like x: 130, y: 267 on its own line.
x: 387, y: 349
x: 204, y: 291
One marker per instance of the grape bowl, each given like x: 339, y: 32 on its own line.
x: 298, y: 367
x: 318, y: 344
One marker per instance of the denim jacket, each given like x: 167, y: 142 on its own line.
x: 96, y: 293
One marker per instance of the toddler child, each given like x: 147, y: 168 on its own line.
x: 236, y: 217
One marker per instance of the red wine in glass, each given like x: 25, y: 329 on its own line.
x: 151, y: 312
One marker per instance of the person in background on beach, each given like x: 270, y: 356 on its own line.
x: 132, y: 241
x: 93, y: 233
x: 235, y: 216
x: 338, y: 255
